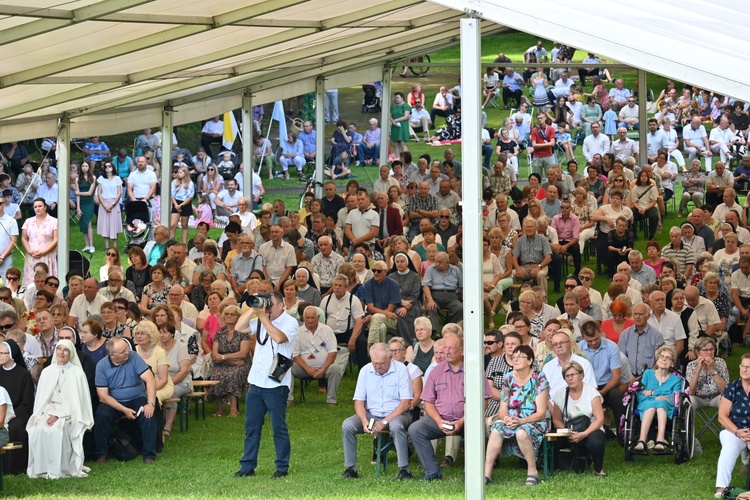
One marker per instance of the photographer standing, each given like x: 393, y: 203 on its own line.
x: 270, y: 383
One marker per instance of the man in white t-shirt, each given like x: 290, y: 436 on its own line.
x: 419, y: 118
x: 228, y: 200
x: 595, y: 143
x: 141, y: 182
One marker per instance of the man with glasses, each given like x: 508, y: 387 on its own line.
x: 88, y: 304
x: 629, y: 115
x: 114, y: 288
x: 275, y: 334
x: 9, y: 321
x: 382, y: 296
x: 176, y: 296
x: 443, y: 289
x: 420, y: 121
x: 573, y: 311
x: 10, y: 303
x: 29, y: 296
x: 247, y: 261
x: 586, y: 305
x: 639, y: 342
x: 383, y: 395
x: 315, y: 353
x: 125, y: 386
x: 495, y: 368
x: 47, y: 336
x: 604, y: 357
x: 443, y: 398
x: 562, y: 347
x: 568, y: 229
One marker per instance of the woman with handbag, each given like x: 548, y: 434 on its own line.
x: 522, y: 419
x: 578, y: 407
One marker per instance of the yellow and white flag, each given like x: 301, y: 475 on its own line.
x: 230, y: 130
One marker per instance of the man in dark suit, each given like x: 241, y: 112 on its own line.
x: 390, y: 222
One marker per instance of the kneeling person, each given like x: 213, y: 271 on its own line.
x: 382, y: 396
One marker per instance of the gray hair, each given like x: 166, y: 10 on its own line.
x: 423, y: 321
x: 380, y: 348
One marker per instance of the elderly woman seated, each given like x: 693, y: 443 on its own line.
x: 733, y: 416
x: 656, y: 399
x: 522, y: 419
x: 577, y: 400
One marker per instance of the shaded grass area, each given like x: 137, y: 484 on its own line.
x: 201, y: 462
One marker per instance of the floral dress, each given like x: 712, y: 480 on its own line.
x: 522, y: 403
x: 40, y: 236
x: 157, y: 297
x: 232, y: 378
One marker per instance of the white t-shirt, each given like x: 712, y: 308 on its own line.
x: 9, y: 228
x: 5, y: 400
x: 141, y: 182
x: 582, y: 406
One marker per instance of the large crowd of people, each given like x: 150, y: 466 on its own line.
x: 372, y: 274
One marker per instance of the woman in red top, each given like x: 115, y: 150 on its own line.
x: 654, y: 259
x: 619, y: 321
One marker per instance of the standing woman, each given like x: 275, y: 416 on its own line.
x: 231, y: 358
x: 84, y: 192
x: 539, y: 82
x: 39, y: 238
x: 399, y: 123
x: 109, y: 192
x: 62, y: 415
x: 183, y: 192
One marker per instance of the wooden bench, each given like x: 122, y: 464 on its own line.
x: 8, y: 447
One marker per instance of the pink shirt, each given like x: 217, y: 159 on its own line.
x: 445, y: 389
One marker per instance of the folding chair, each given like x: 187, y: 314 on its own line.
x: 493, y: 102
x: 708, y: 417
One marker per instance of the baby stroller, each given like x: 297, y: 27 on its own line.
x: 77, y: 262
x: 187, y: 158
x: 371, y: 101
x: 680, y: 426
x: 224, y: 171
x: 137, y: 224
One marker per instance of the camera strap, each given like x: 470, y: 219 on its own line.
x: 257, y: 335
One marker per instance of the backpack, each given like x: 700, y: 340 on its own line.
x: 121, y: 446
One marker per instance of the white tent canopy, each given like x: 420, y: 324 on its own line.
x: 112, y: 66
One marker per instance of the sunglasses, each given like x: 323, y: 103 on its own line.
x: 445, y: 216
x: 211, y: 169
x: 56, y: 285
x: 110, y: 254
x: 6, y: 327
x: 569, y: 287
x: 584, y: 278
x: 12, y: 278
x: 490, y: 342
x: 378, y: 271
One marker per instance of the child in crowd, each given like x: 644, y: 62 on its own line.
x: 226, y: 167
x: 203, y: 212
x: 340, y: 168
x: 610, y: 121
x: 11, y: 209
x: 564, y: 139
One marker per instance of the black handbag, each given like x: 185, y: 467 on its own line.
x: 576, y: 424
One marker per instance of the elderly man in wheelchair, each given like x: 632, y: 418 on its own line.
x: 660, y: 395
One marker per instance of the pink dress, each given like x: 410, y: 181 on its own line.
x: 205, y: 215
x: 40, y: 236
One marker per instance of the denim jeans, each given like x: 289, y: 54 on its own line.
x: 258, y: 402
x: 105, y: 417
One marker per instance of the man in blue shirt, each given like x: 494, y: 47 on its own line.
x: 308, y: 137
x: 442, y: 286
x: 639, y: 342
x: 382, y: 295
x: 604, y: 357
x: 512, y: 86
x: 383, y: 395
x: 125, y: 386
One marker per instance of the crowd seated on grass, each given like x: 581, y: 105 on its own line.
x: 378, y: 272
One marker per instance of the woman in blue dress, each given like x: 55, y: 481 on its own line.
x: 657, y: 399
x: 522, y: 419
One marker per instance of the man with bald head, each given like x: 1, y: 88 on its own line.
x: 88, y: 304
x: 125, y: 386
x: 442, y: 286
x: 697, y: 217
x: 114, y: 289
x: 445, y: 197
x: 666, y: 322
x: 622, y: 280
x: 326, y: 262
x: 639, y: 342
x: 176, y: 296
x: 704, y: 321
x: 624, y: 268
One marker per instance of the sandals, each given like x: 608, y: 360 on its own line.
x: 640, y: 448
x: 531, y: 480
x: 165, y: 433
x: 662, y: 448
x: 601, y: 473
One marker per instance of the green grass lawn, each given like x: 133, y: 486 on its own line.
x: 201, y: 462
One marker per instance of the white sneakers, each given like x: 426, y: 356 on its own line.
x: 90, y: 250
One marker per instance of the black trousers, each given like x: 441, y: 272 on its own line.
x: 360, y: 346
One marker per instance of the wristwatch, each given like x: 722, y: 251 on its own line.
x: 152, y: 405
x: 385, y: 422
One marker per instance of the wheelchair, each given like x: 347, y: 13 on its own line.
x: 680, y: 427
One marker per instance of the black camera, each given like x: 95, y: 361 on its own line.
x: 259, y: 301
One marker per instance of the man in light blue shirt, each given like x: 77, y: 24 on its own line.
x: 642, y: 274
x: 604, y: 357
x: 442, y: 286
x: 512, y: 86
x: 382, y: 397
x: 656, y: 139
x: 308, y: 137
